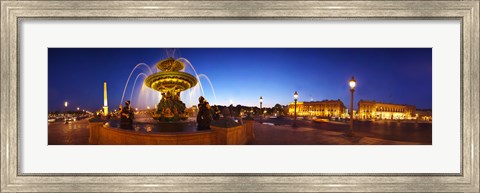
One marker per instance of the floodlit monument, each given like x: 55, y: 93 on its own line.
x: 105, y: 104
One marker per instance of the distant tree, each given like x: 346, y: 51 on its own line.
x: 279, y: 109
x: 231, y: 108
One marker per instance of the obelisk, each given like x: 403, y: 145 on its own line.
x: 105, y: 104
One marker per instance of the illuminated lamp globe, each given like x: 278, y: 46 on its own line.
x: 352, y: 83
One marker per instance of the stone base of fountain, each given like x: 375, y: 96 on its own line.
x: 102, y: 134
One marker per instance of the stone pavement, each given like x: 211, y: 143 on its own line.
x: 77, y: 133
x: 287, y: 135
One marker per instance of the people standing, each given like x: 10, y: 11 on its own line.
x: 204, y: 117
x: 126, y: 116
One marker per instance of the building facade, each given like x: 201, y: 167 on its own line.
x: 325, y: 108
x: 424, y: 114
x: 379, y: 110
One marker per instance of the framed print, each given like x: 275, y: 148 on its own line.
x: 239, y: 96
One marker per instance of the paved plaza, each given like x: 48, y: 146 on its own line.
x: 75, y: 133
x: 287, y: 135
x: 281, y: 132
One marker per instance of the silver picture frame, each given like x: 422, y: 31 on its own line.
x: 13, y: 12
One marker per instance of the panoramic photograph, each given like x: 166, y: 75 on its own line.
x: 239, y: 96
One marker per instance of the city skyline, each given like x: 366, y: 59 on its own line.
x: 242, y: 75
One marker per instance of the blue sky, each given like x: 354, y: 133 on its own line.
x: 242, y: 75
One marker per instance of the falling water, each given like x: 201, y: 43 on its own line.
x: 129, y: 76
x: 149, y: 97
x: 184, y: 60
x: 210, y: 83
x: 135, y: 83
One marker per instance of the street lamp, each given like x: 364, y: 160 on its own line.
x: 261, y: 112
x: 295, y: 97
x: 352, y: 84
x: 66, y: 105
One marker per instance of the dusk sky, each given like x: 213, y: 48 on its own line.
x: 242, y: 75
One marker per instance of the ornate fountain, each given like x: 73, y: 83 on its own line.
x: 170, y: 130
x: 170, y: 82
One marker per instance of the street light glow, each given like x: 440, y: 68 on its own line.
x: 295, y: 95
x: 66, y: 103
x: 352, y: 83
x: 261, y: 99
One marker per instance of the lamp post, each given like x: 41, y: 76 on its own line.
x: 352, y: 84
x: 66, y: 105
x: 295, y: 97
x: 261, y: 112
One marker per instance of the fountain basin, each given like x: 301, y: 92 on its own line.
x: 157, y: 126
x: 103, y: 134
x: 178, y: 81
